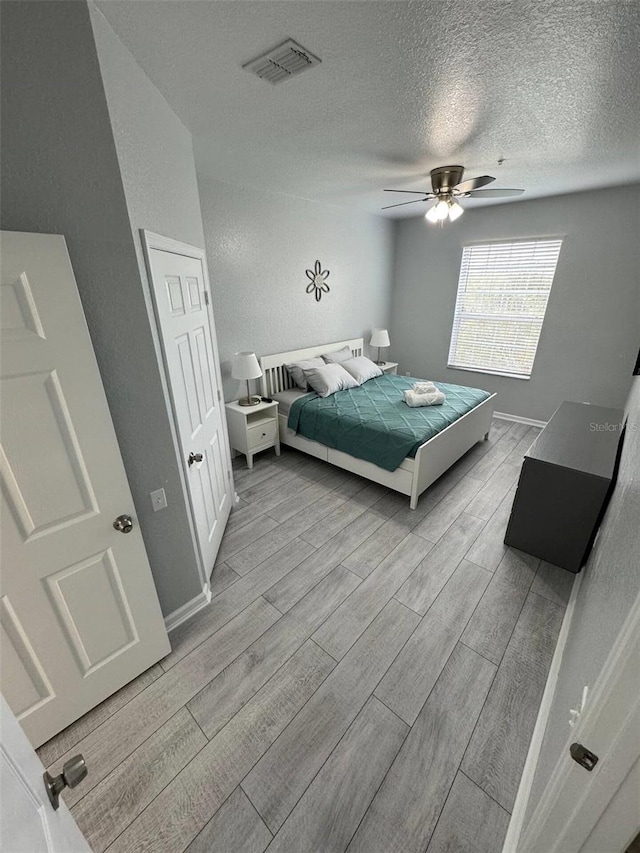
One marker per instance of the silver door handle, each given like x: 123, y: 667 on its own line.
x: 194, y: 457
x: 73, y: 772
x: 123, y: 523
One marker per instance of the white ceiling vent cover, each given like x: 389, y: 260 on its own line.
x: 282, y: 62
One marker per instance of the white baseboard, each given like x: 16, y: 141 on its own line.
x: 504, y: 416
x: 188, y: 610
x: 516, y: 825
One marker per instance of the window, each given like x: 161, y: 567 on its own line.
x: 503, y: 291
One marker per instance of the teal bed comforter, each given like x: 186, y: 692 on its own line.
x: 373, y: 422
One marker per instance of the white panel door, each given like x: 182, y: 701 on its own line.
x: 179, y: 285
x: 28, y: 822
x: 79, y: 613
x: 579, y: 808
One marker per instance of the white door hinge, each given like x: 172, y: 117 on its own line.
x: 206, y: 297
x: 219, y: 396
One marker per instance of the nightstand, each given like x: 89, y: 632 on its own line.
x: 253, y: 428
x: 389, y: 367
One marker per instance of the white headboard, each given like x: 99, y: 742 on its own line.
x: 274, y: 376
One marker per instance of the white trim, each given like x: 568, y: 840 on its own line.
x: 507, y: 239
x: 504, y: 416
x: 150, y: 240
x: 565, y: 817
x: 186, y: 611
x: 516, y: 823
x: 525, y: 376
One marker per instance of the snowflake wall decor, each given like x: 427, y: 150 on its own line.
x: 318, y: 277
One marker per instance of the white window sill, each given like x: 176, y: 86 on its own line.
x: 489, y: 372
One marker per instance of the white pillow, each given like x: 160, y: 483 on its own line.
x: 296, y: 370
x: 337, y: 356
x: 361, y: 368
x: 328, y: 379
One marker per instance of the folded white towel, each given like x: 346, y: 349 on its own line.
x: 424, y: 387
x: 413, y: 399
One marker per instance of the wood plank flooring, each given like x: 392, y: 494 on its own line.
x: 366, y: 677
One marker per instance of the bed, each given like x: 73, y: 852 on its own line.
x: 416, y: 471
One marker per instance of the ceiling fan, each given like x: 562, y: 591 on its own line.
x: 448, y: 186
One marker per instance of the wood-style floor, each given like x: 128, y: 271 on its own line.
x: 366, y: 678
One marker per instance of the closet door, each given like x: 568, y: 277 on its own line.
x: 181, y: 297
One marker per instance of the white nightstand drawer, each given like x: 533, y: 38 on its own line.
x: 263, y: 433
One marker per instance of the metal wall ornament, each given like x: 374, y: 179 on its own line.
x: 318, y: 278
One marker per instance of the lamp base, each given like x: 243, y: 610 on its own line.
x: 379, y: 361
x: 249, y: 401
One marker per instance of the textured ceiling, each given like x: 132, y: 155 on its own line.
x: 403, y: 87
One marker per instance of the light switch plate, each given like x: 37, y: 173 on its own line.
x: 158, y: 500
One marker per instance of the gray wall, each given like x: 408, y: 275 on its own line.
x: 258, y: 247
x: 610, y: 585
x: 590, y: 335
x: 157, y: 167
x: 60, y: 174
x: 154, y: 148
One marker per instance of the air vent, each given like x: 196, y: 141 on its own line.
x: 283, y: 62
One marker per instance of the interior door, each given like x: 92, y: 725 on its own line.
x: 179, y: 285
x: 28, y: 822
x: 79, y: 612
x: 579, y: 808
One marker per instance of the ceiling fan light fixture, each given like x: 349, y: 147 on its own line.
x: 441, y: 210
x: 455, y: 211
x: 447, y: 185
x: 431, y: 215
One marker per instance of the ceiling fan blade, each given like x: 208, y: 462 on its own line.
x: 497, y: 193
x: 414, y: 192
x: 473, y: 184
x: 415, y: 201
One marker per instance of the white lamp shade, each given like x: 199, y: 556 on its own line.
x: 441, y: 210
x: 431, y: 215
x: 245, y: 366
x: 455, y: 210
x: 380, y: 338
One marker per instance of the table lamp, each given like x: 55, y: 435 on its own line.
x: 245, y: 366
x: 380, y: 338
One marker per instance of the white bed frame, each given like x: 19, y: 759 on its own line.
x: 413, y: 476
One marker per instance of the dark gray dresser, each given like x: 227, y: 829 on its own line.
x: 565, y: 483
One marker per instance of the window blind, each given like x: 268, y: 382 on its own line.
x: 503, y: 292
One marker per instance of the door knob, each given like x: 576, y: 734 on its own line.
x: 123, y: 523
x: 194, y: 457
x: 73, y: 772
